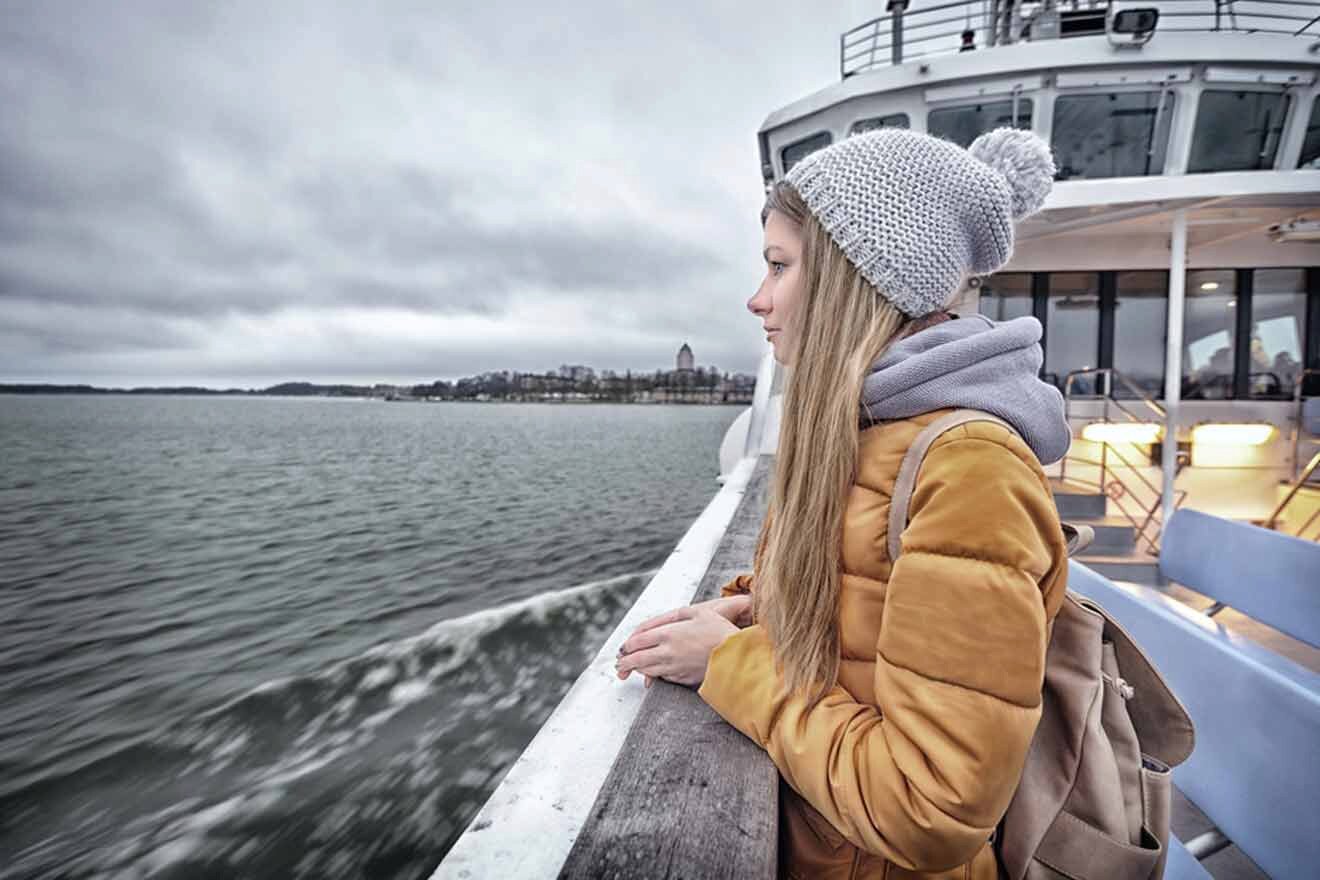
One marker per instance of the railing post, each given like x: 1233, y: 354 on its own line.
x: 896, y: 8
x: 1173, y: 356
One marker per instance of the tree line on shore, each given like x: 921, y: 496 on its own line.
x: 569, y: 383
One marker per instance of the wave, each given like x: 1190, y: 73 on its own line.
x: 369, y: 767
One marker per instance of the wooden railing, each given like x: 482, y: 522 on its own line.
x: 688, y: 796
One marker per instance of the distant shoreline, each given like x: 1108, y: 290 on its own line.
x: 686, y: 397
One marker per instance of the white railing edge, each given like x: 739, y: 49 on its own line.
x: 529, y: 824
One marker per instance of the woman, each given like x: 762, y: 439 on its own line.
x: 897, y: 698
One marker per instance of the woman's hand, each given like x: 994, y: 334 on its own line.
x: 676, y: 645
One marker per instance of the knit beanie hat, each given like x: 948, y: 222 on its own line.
x: 914, y: 212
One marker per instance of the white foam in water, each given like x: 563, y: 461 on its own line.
x: 164, y: 840
x: 409, y: 692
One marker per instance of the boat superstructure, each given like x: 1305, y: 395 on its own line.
x: 1176, y: 264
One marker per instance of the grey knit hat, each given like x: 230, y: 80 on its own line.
x: 915, y: 213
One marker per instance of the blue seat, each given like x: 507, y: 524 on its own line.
x: 1270, y: 576
x: 1182, y: 865
x: 1255, y: 771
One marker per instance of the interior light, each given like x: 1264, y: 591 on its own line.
x: 1209, y: 285
x: 1251, y: 434
x: 1122, y: 432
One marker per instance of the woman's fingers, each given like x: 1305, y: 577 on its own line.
x: 673, y: 616
x: 641, y: 640
x: 652, y: 662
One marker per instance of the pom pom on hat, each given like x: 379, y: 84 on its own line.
x: 1025, y: 161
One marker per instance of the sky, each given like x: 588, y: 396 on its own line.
x: 237, y: 194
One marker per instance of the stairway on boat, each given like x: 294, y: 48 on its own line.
x: 1114, y: 552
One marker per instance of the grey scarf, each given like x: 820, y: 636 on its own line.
x: 976, y: 363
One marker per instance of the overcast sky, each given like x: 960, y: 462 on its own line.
x: 238, y: 194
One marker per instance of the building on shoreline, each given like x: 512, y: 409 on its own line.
x: 686, y: 383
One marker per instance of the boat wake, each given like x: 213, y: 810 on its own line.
x: 369, y: 768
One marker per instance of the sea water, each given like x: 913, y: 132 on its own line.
x: 267, y: 637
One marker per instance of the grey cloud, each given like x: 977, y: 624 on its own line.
x: 166, y: 166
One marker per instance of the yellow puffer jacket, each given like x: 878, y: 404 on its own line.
x: 907, y: 765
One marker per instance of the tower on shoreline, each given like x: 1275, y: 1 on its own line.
x: 684, y: 361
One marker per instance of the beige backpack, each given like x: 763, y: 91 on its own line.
x: 1093, y: 799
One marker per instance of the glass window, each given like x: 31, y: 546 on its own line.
x: 1072, y: 329
x: 1237, y: 131
x: 1121, y: 134
x: 962, y: 125
x: 1140, y: 318
x: 796, y: 152
x: 1005, y: 296
x: 1310, y: 157
x: 1278, y: 328
x: 893, y: 120
x: 1209, y: 326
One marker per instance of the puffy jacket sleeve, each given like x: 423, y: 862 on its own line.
x: 923, y: 776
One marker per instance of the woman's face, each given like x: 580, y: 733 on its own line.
x: 777, y: 299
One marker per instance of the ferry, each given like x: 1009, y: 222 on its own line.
x: 1175, y: 268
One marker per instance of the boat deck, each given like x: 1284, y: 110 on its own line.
x: 678, y: 750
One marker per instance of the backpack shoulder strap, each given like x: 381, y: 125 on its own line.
x: 1077, y: 538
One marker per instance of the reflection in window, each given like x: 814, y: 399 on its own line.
x: 962, y: 125
x: 1005, y: 296
x: 1120, y: 134
x: 893, y: 120
x: 1237, y: 131
x: 1072, y: 329
x: 1278, y: 321
x: 1310, y: 157
x: 1209, y: 326
x: 796, y: 152
x: 1140, y: 317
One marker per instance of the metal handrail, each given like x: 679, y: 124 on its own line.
x: 1109, y: 374
x: 882, y: 39
x: 1292, y: 493
x: 1116, y: 489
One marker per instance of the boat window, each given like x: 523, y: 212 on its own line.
x: 1209, y: 328
x: 799, y: 150
x: 962, y: 125
x: 1278, y: 327
x: 1310, y: 157
x: 893, y: 120
x: 1141, y: 315
x: 1237, y: 130
x: 1120, y: 134
x: 1072, y: 328
x: 1006, y: 295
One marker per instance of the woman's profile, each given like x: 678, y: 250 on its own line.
x: 896, y: 696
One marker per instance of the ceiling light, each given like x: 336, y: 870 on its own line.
x: 1122, y: 432
x: 1209, y: 285
x: 1248, y: 434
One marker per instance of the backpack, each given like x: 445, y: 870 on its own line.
x: 1093, y: 799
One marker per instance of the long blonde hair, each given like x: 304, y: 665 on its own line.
x: 842, y: 326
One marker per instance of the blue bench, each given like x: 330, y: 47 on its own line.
x: 1255, y: 771
x: 1269, y: 576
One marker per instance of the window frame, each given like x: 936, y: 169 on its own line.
x: 1167, y: 119
x: 1289, y: 109
x: 1244, y: 278
x: 964, y: 104
x: 824, y: 132
x: 853, y: 128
